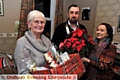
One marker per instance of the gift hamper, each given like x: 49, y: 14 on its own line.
x: 72, y: 66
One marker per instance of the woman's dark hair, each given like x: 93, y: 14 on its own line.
x: 109, y: 30
x: 73, y: 5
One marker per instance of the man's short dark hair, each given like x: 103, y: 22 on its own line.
x: 73, y: 5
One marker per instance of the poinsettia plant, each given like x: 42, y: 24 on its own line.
x: 78, y: 41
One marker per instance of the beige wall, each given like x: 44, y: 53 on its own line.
x: 108, y: 11
x: 83, y: 3
x: 11, y: 14
x: 7, y: 44
x: 66, y: 4
x: 7, y: 25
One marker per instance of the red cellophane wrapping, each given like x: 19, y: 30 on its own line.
x: 72, y: 66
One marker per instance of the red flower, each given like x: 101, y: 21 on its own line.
x: 77, y: 33
x: 90, y: 39
x: 79, y: 41
x: 68, y: 44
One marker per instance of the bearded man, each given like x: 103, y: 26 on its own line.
x: 63, y: 29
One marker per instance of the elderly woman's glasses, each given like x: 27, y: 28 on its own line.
x: 39, y: 22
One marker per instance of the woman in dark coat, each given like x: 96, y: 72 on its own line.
x: 102, y: 57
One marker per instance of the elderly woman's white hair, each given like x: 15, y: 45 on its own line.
x: 33, y: 14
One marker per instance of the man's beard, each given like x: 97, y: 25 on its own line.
x: 73, y: 20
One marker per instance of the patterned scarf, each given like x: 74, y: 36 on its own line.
x: 94, y: 55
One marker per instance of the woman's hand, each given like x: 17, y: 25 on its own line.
x: 84, y: 59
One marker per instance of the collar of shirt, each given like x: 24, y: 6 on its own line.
x: 74, y: 27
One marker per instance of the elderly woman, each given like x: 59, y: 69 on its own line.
x: 30, y: 48
x: 102, y: 56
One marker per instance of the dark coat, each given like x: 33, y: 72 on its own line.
x: 60, y: 33
x: 105, y: 63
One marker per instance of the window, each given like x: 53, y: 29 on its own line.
x: 44, y: 6
x: 48, y: 9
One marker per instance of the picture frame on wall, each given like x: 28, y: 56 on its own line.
x: 85, y: 13
x: 118, y: 28
x: 1, y: 8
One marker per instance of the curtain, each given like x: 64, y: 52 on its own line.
x: 58, y: 13
x: 26, y: 7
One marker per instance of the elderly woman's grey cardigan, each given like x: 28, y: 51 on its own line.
x: 29, y: 46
